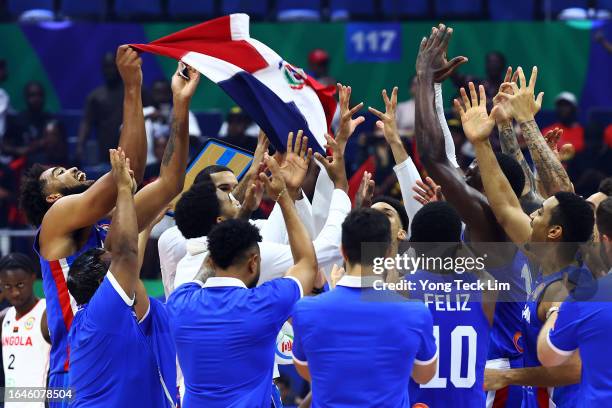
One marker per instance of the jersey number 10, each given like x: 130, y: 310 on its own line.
x: 456, y: 354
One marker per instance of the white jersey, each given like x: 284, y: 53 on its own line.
x: 25, y: 352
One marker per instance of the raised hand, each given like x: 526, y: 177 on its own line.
x: 334, y: 164
x: 253, y: 196
x: 129, y: 65
x: 432, y: 60
x: 365, y: 192
x: 183, y: 88
x: 263, y: 143
x: 347, y: 123
x: 522, y: 103
x: 337, y: 273
x: 477, y: 124
x: 294, y: 167
x: 566, y: 152
x: 122, y: 174
x: 427, y: 192
x: 275, y: 184
x: 503, y: 114
x: 387, y: 122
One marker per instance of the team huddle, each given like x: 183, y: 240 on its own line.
x: 234, y: 286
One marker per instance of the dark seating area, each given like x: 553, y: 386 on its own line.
x: 295, y: 10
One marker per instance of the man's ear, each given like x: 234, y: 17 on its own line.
x: 555, y: 233
x: 51, y: 198
x: 253, y: 262
x: 220, y: 219
x: 401, y: 235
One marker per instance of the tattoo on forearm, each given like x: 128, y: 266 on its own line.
x: 169, y: 152
x: 510, y: 146
x: 550, y: 170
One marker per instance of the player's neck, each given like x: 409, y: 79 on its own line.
x: 358, y: 270
x: 556, y: 263
x: 26, y: 307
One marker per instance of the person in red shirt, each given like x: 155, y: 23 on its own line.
x: 573, y: 132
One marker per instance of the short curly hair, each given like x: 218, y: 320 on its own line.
x: 197, y: 210
x: 32, y: 198
x: 229, y: 241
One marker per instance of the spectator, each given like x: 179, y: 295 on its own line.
x: 152, y: 169
x: 567, y: 109
x: 103, y: 111
x: 405, y: 112
x: 608, y: 136
x: 54, y: 147
x: 158, y: 118
x: 318, y: 66
x: 24, y: 133
x: 495, y: 67
x: 7, y: 195
x: 238, y: 122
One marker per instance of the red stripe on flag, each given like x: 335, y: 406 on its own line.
x: 326, y: 96
x: 62, y: 292
x: 213, y: 38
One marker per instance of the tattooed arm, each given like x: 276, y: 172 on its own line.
x: 551, y: 173
x: 522, y: 105
x: 510, y: 146
x: 154, y: 197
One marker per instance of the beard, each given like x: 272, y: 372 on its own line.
x: 78, y: 189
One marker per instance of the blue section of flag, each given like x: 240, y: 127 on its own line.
x: 276, y: 117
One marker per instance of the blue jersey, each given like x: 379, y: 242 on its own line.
x: 584, y: 323
x: 462, y: 331
x: 360, y: 344
x: 226, y: 338
x: 60, y: 305
x: 115, y: 360
x: 534, y: 397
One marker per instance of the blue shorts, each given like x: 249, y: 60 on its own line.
x: 58, y: 380
x: 276, y: 397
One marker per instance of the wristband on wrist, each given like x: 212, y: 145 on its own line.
x: 551, y: 311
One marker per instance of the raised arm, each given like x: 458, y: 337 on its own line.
x: 124, y: 257
x: 304, y: 258
x: 523, y: 105
x: 82, y: 210
x: 157, y: 195
x: 477, y: 125
x: 509, y: 143
x: 472, y: 205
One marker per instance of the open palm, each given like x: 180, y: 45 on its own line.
x: 477, y: 124
x: 294, y: 167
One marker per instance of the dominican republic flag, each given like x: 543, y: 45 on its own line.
x: 278, y: 96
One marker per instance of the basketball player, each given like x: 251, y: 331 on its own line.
x: 462, y: 318
x: 68, y: 209
x: 564, y: 221
x: 121, y: 352
x: 25, y: 336
x: 465, y: 194
x: 357, y: 345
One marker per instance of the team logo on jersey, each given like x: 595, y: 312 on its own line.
x: 517, y: 337
x: 527, y: 314
x: 29, y: 323
x: 295, y: 77
x: 420, y: 405
x: 15, y: 329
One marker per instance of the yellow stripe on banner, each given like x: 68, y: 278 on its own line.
x: 239, y: 162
